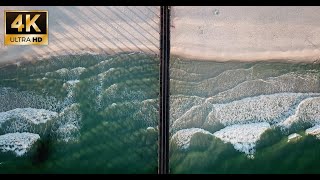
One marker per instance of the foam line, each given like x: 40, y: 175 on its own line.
x: 182, y: 138
x: 19, y: 143
x: 243, y: 137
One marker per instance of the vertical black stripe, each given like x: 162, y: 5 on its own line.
x: 164, y: 90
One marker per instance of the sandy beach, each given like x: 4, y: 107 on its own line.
x: 200, y: 33
x: 77, y: 30
x: 246, y: 33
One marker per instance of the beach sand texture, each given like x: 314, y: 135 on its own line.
x: 246, y: 33
x: 77, y: 30
x: 205, y: 33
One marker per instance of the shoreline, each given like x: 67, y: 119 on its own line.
x: 247, y: 58
x: 83, y: 30
x: 216, y: 33
x: 30, y: 58
x: 246, y: 34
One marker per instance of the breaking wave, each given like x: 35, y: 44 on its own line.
x: 241, y: 101
x: 105, y: 101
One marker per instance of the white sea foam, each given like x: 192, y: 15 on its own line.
x: 307, y: 111
x: 35, y: 116
x: 66, y: 74
x: 243, y: 137
x: 194, y: 117
x: 303, y: 83
x: 248, y: 118
x: 182, y: 104
x: 72, y: 82
x: 273, y: 109
x: 182, y: 138
x: 315, y: 131
x: 75, y: 71
x: 12, y: 98
x: 70, y: 87
x: 69, y: 124
x: 19, y: 143
x: 211, y: 86
x: 151, y: 129
x: 66, y: 132
x: 294, y: 137
x: 146, y: 109
x: 98, y: 89
x: 62, y: 71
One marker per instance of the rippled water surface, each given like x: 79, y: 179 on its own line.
x: 80, y: 114
x: 236, y: 117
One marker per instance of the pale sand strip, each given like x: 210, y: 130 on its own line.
x: 246, y: 33
x: 203, y: 33
x: 77, y: 30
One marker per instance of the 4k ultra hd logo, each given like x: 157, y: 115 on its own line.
x: 26, y: 27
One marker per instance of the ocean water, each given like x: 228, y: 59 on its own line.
x: 80, y: 114
x: 236, y: 117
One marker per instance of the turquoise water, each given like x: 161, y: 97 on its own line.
x: 235, y: 117
x: 93, y: 114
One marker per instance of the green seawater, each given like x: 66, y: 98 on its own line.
x: 193, y: 82
x: 116, y: 102
x: 208, y: 155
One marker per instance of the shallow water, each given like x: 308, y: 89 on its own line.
x: 236, y: 117
x: 93, y: 113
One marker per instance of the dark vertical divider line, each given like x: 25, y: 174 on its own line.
x: 163, y: 162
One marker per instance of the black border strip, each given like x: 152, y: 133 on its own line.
x: 163, y: 161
